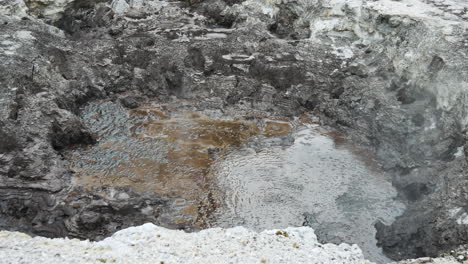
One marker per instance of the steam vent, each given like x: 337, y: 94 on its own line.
x: 233, y: 131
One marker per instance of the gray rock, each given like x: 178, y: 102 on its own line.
x: 392, y: 77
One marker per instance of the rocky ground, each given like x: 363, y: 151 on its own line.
x: 152, y: 244
x: 391, y: 75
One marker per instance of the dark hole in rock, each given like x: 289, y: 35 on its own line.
x: 285, y: 24
x: 64, y: 137
x: 418, y: 119
x: 195, y: 59
x: 336, y: 93
x: 8, y: 142
x: 213, y: 10
x: 415, y: 191
x: 404, y: 96
x: 437, y: 64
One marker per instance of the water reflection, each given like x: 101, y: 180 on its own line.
x: 256, y: 171
x: 312, y: 181
x: 165, y: 151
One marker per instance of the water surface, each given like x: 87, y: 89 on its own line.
x: 261, y: 172
x: 312, y: 182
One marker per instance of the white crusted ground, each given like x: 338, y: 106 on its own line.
x: 152, y: 244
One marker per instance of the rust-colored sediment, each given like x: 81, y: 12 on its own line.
x: 274, y: 129
x: 183, y: 173
x: 360, y: 153
x: 337, y: 137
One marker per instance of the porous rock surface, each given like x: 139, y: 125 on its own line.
x: 152, y: 244
x: 392, y: 75
x: 149, y: 243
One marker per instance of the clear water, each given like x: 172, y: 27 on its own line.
x: 275, y: 187
x: 222, y: 171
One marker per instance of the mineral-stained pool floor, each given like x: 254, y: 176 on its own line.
x: 259, y: 172
x: 163, y: 150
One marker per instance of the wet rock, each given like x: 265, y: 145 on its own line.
x: 130, y: 102
x: 68, y: 133
x: 91, y: 220
x: 8, y: 142
x: 287, y: 23
x: 391, y: 75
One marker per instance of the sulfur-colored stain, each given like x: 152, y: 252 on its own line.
x: 282, y: 233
